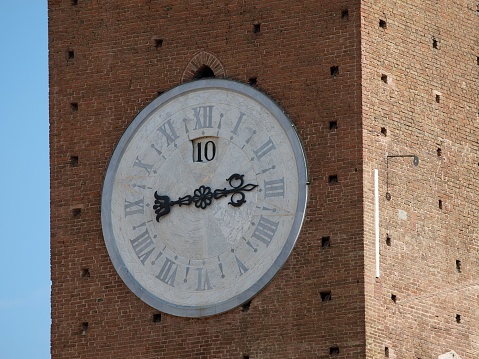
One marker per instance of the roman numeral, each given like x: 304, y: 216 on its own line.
x: 143, y: 246
x: 168, y: 272
x: 265, y: 230
x: 168, y: 131
x: 242, y: 268
x: 135, y: 207
x: 238, y: 122
x: 147, y: 167
x: 203, y: 116
x: 203, y: 280
x: 267, y: 147
x: 274, y: 188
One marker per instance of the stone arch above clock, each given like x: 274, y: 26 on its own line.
x: 199, y: 61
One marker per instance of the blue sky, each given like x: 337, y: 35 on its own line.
x: 24, y: 180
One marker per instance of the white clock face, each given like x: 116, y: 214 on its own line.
x: 204, y: 198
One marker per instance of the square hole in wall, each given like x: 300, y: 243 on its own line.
x: 334, y: 351
x: 325, y: 242
x: 74, y: 161
x: 158, y: 43
x: 458, y: 266
x: 246, y: 306
x: 388, y: 241
x: 76, y: 212
x: 325, y: 296
x: 333, y: 179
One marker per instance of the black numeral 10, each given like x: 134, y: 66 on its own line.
x: 205, y: 151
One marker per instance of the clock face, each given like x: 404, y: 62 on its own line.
x: 204, y: 197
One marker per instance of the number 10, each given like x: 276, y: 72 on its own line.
x: 208, y: 151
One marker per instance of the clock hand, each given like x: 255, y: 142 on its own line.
x: 202, y: 196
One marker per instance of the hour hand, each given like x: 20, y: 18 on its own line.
x: 163, y: 204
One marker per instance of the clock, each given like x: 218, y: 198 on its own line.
x: 204, y: 197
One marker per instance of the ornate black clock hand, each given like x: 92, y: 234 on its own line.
x: 202, y: 197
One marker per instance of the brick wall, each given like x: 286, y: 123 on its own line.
x: 420, y: 96
x: 109, y: 59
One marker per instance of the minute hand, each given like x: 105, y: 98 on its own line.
x: 203, y: 196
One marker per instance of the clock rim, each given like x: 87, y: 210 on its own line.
x: 294, y: 231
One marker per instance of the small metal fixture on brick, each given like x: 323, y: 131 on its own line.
x: 415, y: 161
